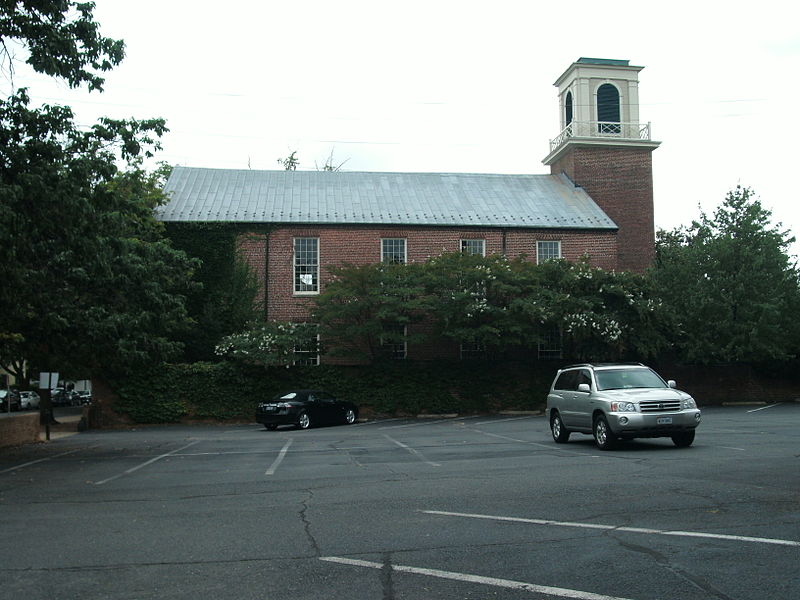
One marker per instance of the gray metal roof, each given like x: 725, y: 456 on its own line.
x: 320, y: 197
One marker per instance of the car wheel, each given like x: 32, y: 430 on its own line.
x: 270, y: 426
x: 350, y: 416
x: 560, y: 433
x: 603, y: 436
x: 683, y: 440
x: 303, y: 421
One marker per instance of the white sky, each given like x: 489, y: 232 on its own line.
x: 458, y: 86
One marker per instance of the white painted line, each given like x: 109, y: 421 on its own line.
x: 466, y: 577
x: 33, y: 462
x: 698, y: 534
x: 765, y: 407
x: 412, y: 451
x: 732, y: 448
x: 279, y: 460
x: 144, y: 464
x: 553, y: 446
x: 503, y: 420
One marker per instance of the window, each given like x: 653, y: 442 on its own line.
x: 608, y: 109
x: 393, y: 250
x: 393, y: 342
x: 550, y: 345
x: 473, y: 247
x: 568, y: 109
x: 307, y: 354
x: 547, y: 251
x: 472, y: 350
x: 306, y: 265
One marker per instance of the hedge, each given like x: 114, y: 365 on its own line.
x: 227, y: 391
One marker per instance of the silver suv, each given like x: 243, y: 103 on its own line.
x: 619, y: 401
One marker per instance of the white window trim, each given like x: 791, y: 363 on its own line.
x: 295, y: 291
x: 405, y: 249
x: 538, y: 253
x: 483, y: 244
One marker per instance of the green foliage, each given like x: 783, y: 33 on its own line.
x: 231, y: 390
x: 291, y: 162
x: 226, y: 299
x: 365, y: 306
x: 88, y: 281
x: 505, y: 306
x: 730, y: 285
x: 269, y: 344
x: 62, y: 40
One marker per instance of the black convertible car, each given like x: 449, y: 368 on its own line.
x: 304, y: 408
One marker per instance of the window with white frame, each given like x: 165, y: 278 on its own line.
x: 550, y: 346
x: 306, y: 265
x: 393, y: 342
x: 393, y: 250
x: 473, y: 247
x: 307, y: 354
x: 547, y: 251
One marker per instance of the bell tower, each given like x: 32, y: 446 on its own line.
x: 604, y: 149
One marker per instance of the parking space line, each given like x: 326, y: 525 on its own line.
x: 697, y: 534
x: 279, y: 460
x: 33, y: 462
x: 765, y: 407
x: 466, y: 577
x: 412, y: 451
x: 144, y: 464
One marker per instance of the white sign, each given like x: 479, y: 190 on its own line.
x: 47, y: 381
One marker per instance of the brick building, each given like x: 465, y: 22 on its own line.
x: 597, y: 201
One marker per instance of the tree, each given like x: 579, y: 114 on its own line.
x: 291, y: 162
x: 367, y: 308
x: 730, y: 284
x: 61, y: 38
x: 87, y: 281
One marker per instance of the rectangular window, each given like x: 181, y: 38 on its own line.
x: 472, y: 351
x: 473, y: 247
x: 393, y: 250
x: 306, y: 265
x: 550, y: 344
x: 393, y: 342
x: 547, y: 251
x: 307, y: 354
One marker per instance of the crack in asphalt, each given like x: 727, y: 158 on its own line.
x: 386, y: 577
x: 664, y: 562
x: 307, y: 524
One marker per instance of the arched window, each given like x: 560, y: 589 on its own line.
x: 608, y: 109
x: 568, y: 109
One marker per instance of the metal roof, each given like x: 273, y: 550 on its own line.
x: 345, y: 197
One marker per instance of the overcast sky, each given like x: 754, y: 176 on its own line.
x: 458, y: 86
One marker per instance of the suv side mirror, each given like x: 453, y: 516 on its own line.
x: 671, y: 383
x: 584, y: 387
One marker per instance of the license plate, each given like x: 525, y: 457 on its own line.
x: 664, y: 420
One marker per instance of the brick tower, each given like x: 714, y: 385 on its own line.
x: 604, y: 149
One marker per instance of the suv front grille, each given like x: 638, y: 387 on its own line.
x: 661, y: 406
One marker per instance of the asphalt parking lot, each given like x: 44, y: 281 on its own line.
x: 478, y: 507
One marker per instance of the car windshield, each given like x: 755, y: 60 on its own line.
x: 621, y: 379
x: 289, y: 396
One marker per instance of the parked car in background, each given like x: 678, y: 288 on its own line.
x: 9, y: 396
x: 304, y: 408
x: 85, y: 397
x: 619, y: 402
x: 62, y: 397
x: 29, y: 400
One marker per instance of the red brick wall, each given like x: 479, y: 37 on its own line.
x: 620, y: 181
x: 360, y: 245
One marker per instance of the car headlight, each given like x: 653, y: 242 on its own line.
x: 688, y: 403
x: 623, y: 407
